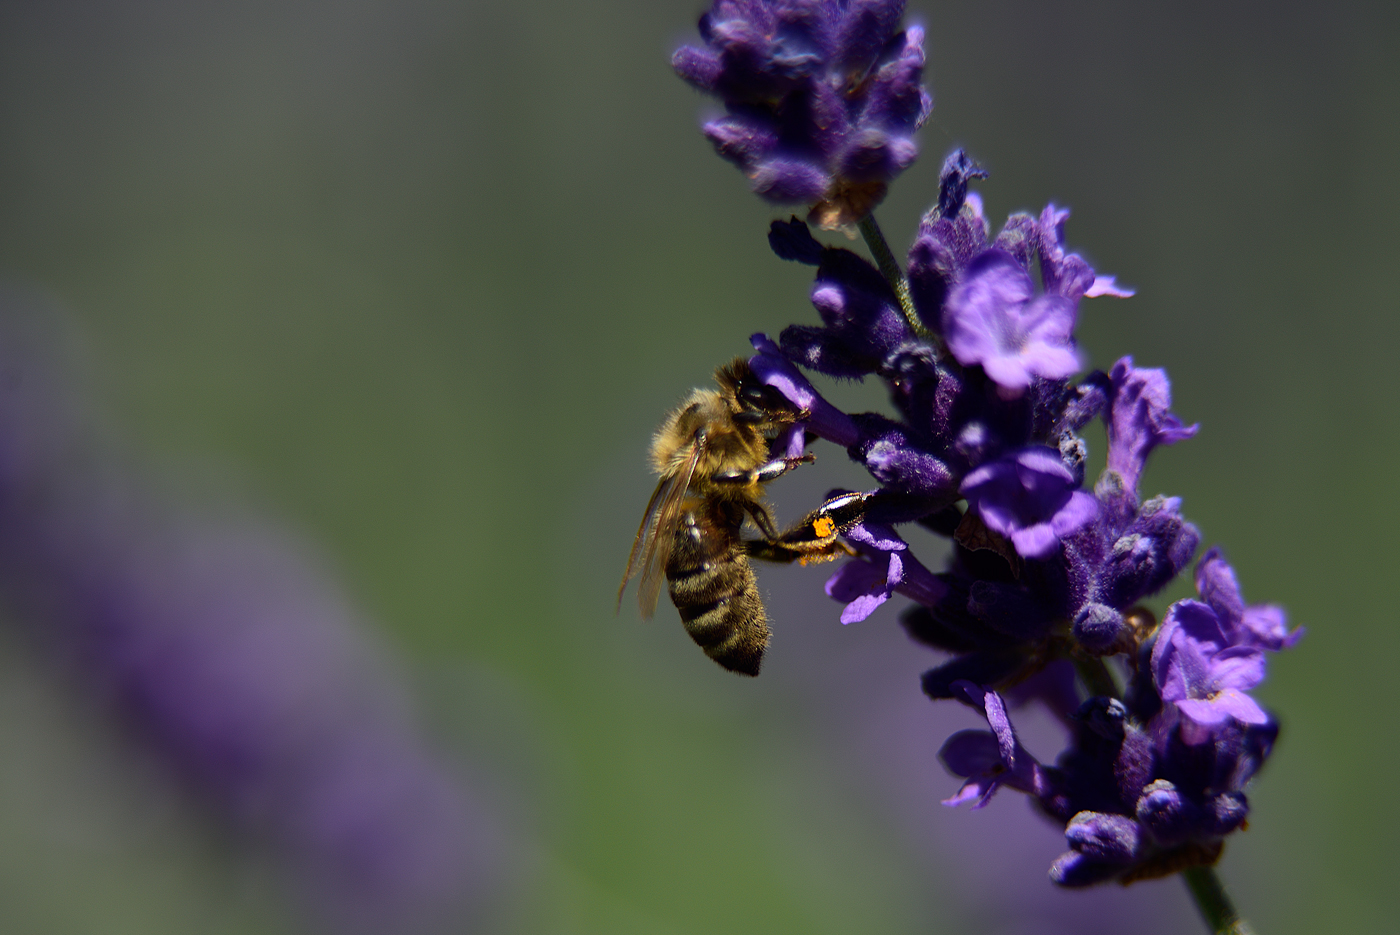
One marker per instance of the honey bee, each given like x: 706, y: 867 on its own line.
x: 712, y: 453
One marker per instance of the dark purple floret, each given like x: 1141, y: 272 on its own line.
x: 1148, y: 554
x: 793, y: 240
x: 958, y: 170
x: 885, y: 566
x: 989, y: 761
x: 1102, y: 847
x: 823, y: 98
x: 1168, y: 815
x: 900, y: 460
x: 1101, y: 629
x: 863, y: 322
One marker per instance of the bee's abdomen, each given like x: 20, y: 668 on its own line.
x: 715, y: 591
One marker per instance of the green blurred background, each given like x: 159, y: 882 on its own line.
x: 420, y: 278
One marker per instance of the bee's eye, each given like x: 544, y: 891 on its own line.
x: 754, y: 394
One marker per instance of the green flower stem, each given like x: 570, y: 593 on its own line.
x: 1214, y: 903
x: 889, y: 268
x: 1097, y: 678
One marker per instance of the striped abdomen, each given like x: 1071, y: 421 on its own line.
x: 713, y: 587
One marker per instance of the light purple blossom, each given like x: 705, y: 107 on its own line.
x: 885, y: 566
x: 1261, y: 625
x: 1196, y: 668
x: 1030, y: 497
x: 1139, y: 419
x: 995, y: 318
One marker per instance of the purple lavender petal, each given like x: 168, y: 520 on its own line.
x: 976, y: 756
x: 1139, y: 419
x: 1189, y: 637
x: 866, y: 583
x: 969, y: 752
x: 1240, y: 667
x: 1229, y: 702
x: 790, y: 442
x: 1266, y: 626
x: 993, y: 318
x: 1014, y: 766
x: 1078, y: 512
x: 863, y: 586
x: 1106, y: 285
x: 824, y: 419
x: 1035, y: 541
x: 1261, y: 625
x: 1028, y: 496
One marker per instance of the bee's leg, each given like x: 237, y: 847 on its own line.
x: 763, y: 473
x: 775, y: 550
x: 780, y: 466
x: 763, y: 520
x: 820, y: 528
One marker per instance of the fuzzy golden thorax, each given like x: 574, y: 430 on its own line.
x: 706, y: 421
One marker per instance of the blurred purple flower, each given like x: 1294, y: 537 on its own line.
x: 823, y: 97
x: 225, y: 646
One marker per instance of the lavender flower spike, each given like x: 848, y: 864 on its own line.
x: 823, y: 98
x: 975, y: 345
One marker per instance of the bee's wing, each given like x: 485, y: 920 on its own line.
x: 653, y: 542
